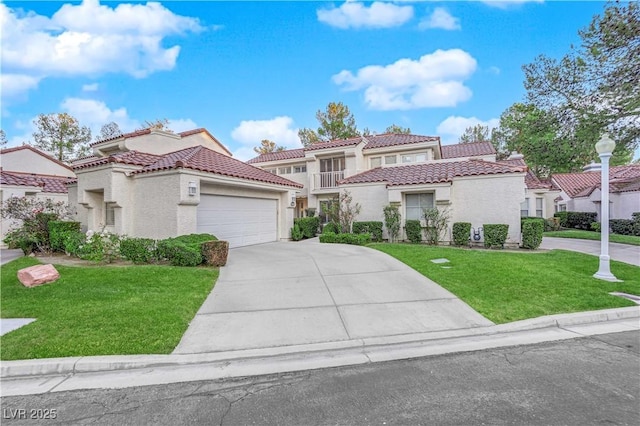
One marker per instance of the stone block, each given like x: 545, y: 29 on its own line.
x: 38, y: 275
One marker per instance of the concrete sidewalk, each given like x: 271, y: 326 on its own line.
x: 621, y: 252
x: 283, y: 294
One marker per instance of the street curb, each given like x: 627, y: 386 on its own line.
x: 354, y: 351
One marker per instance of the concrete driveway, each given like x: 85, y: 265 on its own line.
x: 288, y: 293
x: 621, y: 252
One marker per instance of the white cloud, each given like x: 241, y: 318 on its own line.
x: 505, y: 4
x: 94, y: 114
x: 356, y: 15
x: 91, y: 39
x: 90, y: 87
x: 182, y: 124
x: 434, y: 80
x: 494, y: 70
x: 249, y: 133
x: 440, y: 18
x: 13, y: 85
x: 453, y: 127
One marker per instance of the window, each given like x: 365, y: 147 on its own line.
x: 421, y: 158
x: 524, y: 208
x: 325, y: 206
x: 332, y: 164
x: 376, y: 162
x: 416, y: 203
x: 390, y: 159
x: 300, y: 168
x: 272, y: 171
x: 562, y: 207
x: 407, y: 158
x: 415, y: 158
x: 539, y: 211
x: 284, y: 170
x: 109, y: 214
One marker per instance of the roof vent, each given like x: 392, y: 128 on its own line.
x: 593, y: 167
x: 515, y: 155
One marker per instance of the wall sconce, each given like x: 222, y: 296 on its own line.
x: 293, y: 200
x: 193, y: 189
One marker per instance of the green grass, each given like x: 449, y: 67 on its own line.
x: 507, y: 286
x: 589, y: 235
x: 101, y: 310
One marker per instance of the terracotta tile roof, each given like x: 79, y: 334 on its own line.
x: 37, y: 151
x: 335, y: 144
x: 531, y: 180
x: 48, y: 183
x: 133, y: 158
x: 288, y: 154
x: 467, y: 150
x: 627, y: 186
x: 205, y: 160
x: 431, y: 172
x: 582, y: 184
x: 394, y: 139
x: 124, y: 135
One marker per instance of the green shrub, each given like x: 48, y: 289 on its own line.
x: 392, y: 219
x: 635, y: 216
x: 495, y: 235
x: 355, y: 239
x: 624, y: 227
x: 296, y: 233
x: 72, y: 243
x: 413, y: 230
x: 532, y: 230
x: 562, y: 218
x: 595, y: 226
x: 194, y: 238
x: 461, y: 233
x: 138, y: 250
x: 59, y: 230
x: 100, y: 247
x: 308, y: 226
x: 552, y: 224
x: 185, y: 255
x: 331, y: 227
x: 581, y: 220
x: 372, y: 227
x: 215, y: 253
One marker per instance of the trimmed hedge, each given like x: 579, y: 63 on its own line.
x: 185, y: 250
x: 624, y: 227
x: 413, y: 230
x: 59, y: 230
x: 308, y: 225
x: 562, y: 218
x: 495, y: 235
x: 461, y: 233
x: 296, y: 233
x: 139, y: 250
x: 532, y: 230
x: 371, y: 227
x: 331, y: 228
x: 215, y: 253
x: 355, y: 239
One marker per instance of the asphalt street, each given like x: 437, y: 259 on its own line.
x: 586, y: 381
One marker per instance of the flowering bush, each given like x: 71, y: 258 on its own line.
x: 100, y: 247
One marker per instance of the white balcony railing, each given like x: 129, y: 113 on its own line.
x: 328, y: 179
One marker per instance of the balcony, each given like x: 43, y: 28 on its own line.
x: 327, y: 180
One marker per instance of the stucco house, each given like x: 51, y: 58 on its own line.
x: 581, y: 191
x: 410, y: 171
x: 29, y: 172
x: 158, y: 184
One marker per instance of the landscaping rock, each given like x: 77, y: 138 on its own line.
x: 38, y: 275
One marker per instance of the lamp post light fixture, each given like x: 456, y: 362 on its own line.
x: 604, y: 148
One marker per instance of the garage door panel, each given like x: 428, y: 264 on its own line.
x: 241, y: 221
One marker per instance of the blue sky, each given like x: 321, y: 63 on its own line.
x: 247, y: 71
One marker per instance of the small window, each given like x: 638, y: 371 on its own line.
x: 416, y: 203
x: 407, y: 158
x: 539, y: 210
x: 284, y: 170
x: 421, y: 158
x: 376, y: 162
x: 272, y: 171
x: 300, y: 168
x: 524, y: 208
x: 109, y: 214
x: 390, y: 159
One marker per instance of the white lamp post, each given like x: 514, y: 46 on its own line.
x: 604, y: 148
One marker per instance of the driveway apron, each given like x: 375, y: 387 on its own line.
x: 287, y: 293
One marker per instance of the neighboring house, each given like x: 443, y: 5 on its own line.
x: 581, y: 191
x: 158, y: 184
x: 411, y: 171
x: 27, y: 171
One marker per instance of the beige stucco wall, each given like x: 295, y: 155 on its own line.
x: 27, y: 161
x: 624, y: 204
x: 157, y: 212
x: 548, y: 208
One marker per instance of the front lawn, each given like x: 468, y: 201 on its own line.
x: 507, y: 286
x: 97, y: 310
x: 589, y: 235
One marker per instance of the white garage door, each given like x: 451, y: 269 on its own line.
x: 239, y: 220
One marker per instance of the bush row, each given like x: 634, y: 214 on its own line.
x: 495, y: 235
x: 625, y: 226
x: 576, y: 220
x: 356, y: 239
x: 461, y: 233
x: 372, y: 227
x: 532, y: 229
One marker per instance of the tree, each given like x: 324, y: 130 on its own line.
x: 3, y: 138
x: 477, y: 133
x: 267, y: 146
x: 62, y: 135
x: 394, y: 128
x: 596, y: 86
x: 336, y: 122
x: 157, y: 124
x: 109, y: 131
